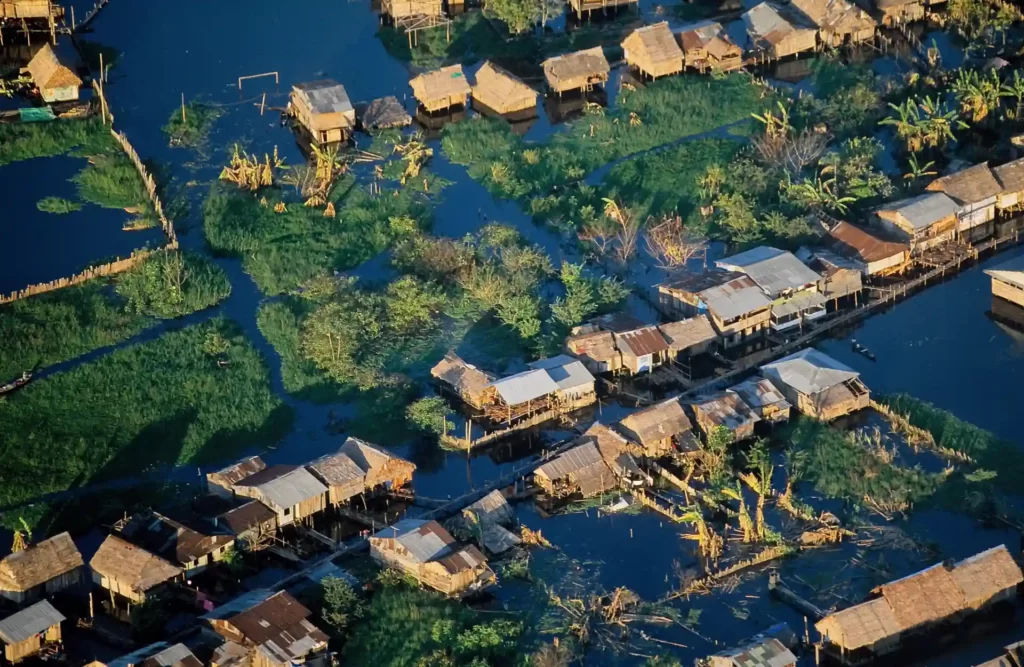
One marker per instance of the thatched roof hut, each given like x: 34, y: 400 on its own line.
x: 401, y: 9
x: 653, y: 50
x: 706, y: 45
x: 778, y: 32
x: 30, y: 9
x: 56, y: 83
x: 44, y: 568
x: 838, y: 21
x: 385, y: 113
x: 128, y: 570
x: 580, y: 70
x: 466, y: 380
x: 658, y: 428
x: 441, y: 88
x: 501, y: 92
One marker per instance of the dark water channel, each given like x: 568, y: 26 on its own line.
x: 938, y: 345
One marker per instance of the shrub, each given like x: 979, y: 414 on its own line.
x: 173, y: 283
x: 57, y: 205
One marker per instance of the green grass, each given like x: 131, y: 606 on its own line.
x: 24, y: 141
x: 667, y: 110
x: 172, y: 284
x: 283, y: 250
x: 194, y: 130
x: 54, y: 327
x: 165, y: 402
x: 57, y: 205
x: 111, y: 181
x: 280, y: 322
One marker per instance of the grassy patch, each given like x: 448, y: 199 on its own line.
x: 281, y: 324
x: 194, y: 129
x: 172, y: 284
x: 57, y: 205
x: 166, y: 402
x: 111, y: 181
x: 283, y: 250
x: 24, y: 141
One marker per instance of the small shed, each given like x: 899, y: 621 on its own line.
x: 222, y: 482
x: 25, y: 632
x: 130, y: 571
x: 500, y: 92
x: 818, y: 385
x: 1011, y: 180
x: 428, y: 552
x: 383, y: 469
x: 193, y: 548
x: 467, y: 381
x: 596, y: 349
x: 580, y: 70
x: 489, y: 515
x: 1008, y: 280
x: 660, y: 429
x: 580, y: 469
x: 41, y: 569
x: 876, y: 255
x: 492, y: 508
x: 764, y: 399
x: 642, y: 349
x: 249, y: 522
x: 323, y: 109
x: 291, y: 491
x: 385, y: 113
x: 776, y: 33
x: 442, y: 88
x: 574, y: 383
x: 924, y: 221
x: 706, y: 45
x: 653, y: 50
x: 274, y: 626
x: 839, y: 22
x: 725, y: 410
x: 975, y: 190
x: 56, y: 83
x: 689, y: 337
x: 840, y: 276
x: 899, y: 12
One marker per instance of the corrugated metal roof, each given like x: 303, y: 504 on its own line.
x: 468, y: 557
x: 735, y: 298
x: 688, y: 333
x: 237, y: 605
x: 925, y: 210
x: 767, y: 653
x: 424, y: 540
x: 29, y: 621
x: 759, y: 393
x: 325, y: 96
x: 726, y: 409
x: 1009, y: 272
x: 854, y: 241
x: 526, y: 386
x: 289, y: 487
x: 641, y: 342
x: 598, y: 346
x: 808, y: 371
x: 236, y: 472
x: 571, y: 461
x: 799, y: 302
x: 774, y: 270
x: 247, y: 517
x: 565, y: 371
x: 177, y: 655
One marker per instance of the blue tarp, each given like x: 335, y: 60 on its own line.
x: 36, y: 114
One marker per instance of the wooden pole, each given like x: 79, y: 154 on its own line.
x: 72, y: 18
x: 183, y: 118
x: 102, y: 79
x: 263, y: 102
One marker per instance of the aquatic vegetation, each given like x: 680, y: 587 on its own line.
x: 430, y: 415
x: 111, y: 181
x: 164, y: 402
x: 173, y: 283
x: 191, y: 129
x: 58, y: 205
x: 24, y: 141
x: 280, y: 322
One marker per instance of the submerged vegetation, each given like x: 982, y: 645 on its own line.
x: 57, y: 205
x: 190, y: 127
x: 173, y: 283
x: 198, y: 395
x: 24, y: 141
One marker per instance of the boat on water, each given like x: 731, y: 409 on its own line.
x: 16, y: 383
x: 860, y: 349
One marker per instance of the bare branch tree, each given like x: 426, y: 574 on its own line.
x: 791, y: 152
x: 628, y: 229
x: 671, y: 244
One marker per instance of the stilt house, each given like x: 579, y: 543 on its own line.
x: 595, y: 348
x: 738, y: 309
x: 839, y: 22
x: 499, y: 92
x: 769, y: 652
x: 725, y: 410
x: 975, y: 190
x: 585, y: 7
x: 41, y: 570
x: 924, y: 221
x: 653, y: 50
x: 898, y: 12
x: 788, y: 282
x: 403, y: 10
x: 875, y: 255
x: 764, y: 399
x: 706, y: 46
x: 617, y: 453
x: 660, y: 430
x: 642, y: 349
x: 222, y: 482
x: 1008, y: 281
x: 774, y: 33
x: 56, y: 83
x: 489, y: 515
x: 552, y: 386
x: 30, y: 9
x: 249, y: 522
x: 579, y: 469
x: 160, y: 654
x: 942, y: 593
x: 465, y: 380
x: 426, y: 551
x: 1011, y: 179
x: 24, y: 633
x: 689, y: 337
x: 275, y: 628
x: 818, y: 385
x: 840, y: 277
x: 291, y: 491
x: 130, y: 571
x: 193, y: 549
x: 358, y: 468
x: 385, y: 113
x: 442, y: 88
x: 324, y: 110
x: 581, y: 70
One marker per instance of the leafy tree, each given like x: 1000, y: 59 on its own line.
x: 171, y: 284
x: 429, y: 414
x: 342, y: 605
x: 412, y: 304
x: 518, y: 15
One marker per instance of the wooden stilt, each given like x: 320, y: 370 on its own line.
x: 184, y: 119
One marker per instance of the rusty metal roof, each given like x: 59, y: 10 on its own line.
x: 726, y: 409
x: 853, y: 241
x: 642, y: 342
x: 688, y: 333
x: 236, y: 472
x: 279, y: 626
x: 171, y: 539
x: 424, y: 540
x: 247, y: 517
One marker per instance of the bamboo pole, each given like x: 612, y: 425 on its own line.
x: 183, y: 118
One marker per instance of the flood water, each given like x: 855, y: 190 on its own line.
x: 938, y: 345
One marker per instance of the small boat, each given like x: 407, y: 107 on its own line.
x: 860, y: 349
x: 16, y: 383
x: 616, y: 506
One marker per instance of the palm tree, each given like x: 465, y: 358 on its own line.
x: 823, y: 193
x: 1014, y: 88
x: 775, y: 125
x: 907, y: 123
x: 711, y: 544
x: 746, y: 524
x: 918, y: 170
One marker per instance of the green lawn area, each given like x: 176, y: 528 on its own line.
x: 57, y: 326
x: 162, y: 402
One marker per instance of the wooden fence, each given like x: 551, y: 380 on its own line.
x: 118, y: 265
x: 468, y: 444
